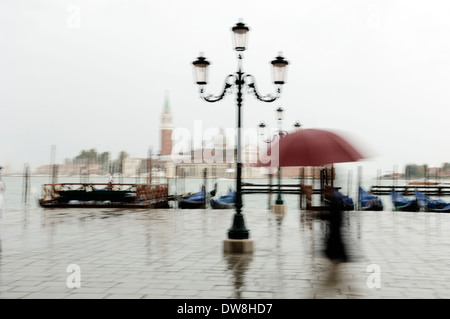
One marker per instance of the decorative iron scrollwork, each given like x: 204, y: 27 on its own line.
x: 214, y: 98
x: 251, y: 84
x: 240, y: 79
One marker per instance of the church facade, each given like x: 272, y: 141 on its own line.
x: 216, y: 159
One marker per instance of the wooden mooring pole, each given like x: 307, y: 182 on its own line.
x: 358, y: 205
x: 301, y: 178
x: 205, y: 173
x: 269, y: 197
x: 52, y: 164
x: 25, y: 189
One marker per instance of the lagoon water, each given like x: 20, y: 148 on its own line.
x: 15, y: 188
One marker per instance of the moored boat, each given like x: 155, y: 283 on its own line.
x: 403, y: 203
x: 104, y: 195
x: 197, y: 200
x: 344, y: 201
x: 368, y: 201
x: 226, y: 201
x: 428, y: 204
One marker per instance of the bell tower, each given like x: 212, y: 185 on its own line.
x: 166, y: 128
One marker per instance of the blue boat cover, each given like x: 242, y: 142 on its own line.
x: 228, y: 198
x: 200, y: 196
x: 399, y: 200
x: 345, y: 199
x: 445, y: 208
x: 425, y: 201
x: 367, y: 199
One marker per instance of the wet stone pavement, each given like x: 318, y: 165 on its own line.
x: 179, y: 254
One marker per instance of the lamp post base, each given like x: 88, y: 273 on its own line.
x: 238, y: 245
x: 279, y: 209
x: 238, y: 229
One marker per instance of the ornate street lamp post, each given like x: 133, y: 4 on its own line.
x: 239, y: 80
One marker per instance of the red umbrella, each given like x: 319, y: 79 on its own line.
x: 310, y: 147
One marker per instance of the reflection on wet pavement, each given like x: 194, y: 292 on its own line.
x: 179, y: 254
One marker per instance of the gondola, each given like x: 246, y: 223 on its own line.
x: 428, y: 204
x: 195, y: 201
x: 102, y: 195
x: 405, y: 204
x: 226, y: 201
x: 344, y: 201
x: 368, y: 201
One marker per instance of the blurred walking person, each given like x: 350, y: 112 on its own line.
x: 335, y: 248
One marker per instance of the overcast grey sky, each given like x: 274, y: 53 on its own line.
x: 84, y: 74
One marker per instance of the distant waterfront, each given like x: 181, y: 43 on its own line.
x: 15, y: 188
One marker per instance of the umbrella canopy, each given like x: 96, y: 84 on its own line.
x: 311, y: 147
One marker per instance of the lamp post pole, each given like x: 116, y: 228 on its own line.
x: 279, y: 200
x: 240, y: 80
x: 238, y: 229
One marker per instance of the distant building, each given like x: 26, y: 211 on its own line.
x: 141, y: 166
x: 166, y: 129
x: 132, y: 166
x: 218, y: 160
x: 71, y: 169
x: 438, y: 172
x: 5, y: 170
